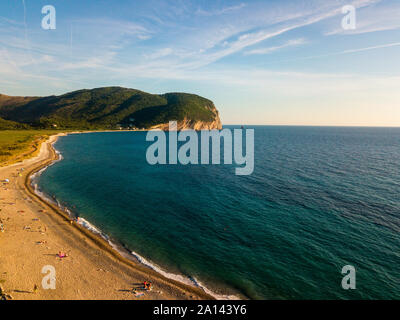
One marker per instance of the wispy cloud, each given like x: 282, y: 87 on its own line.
x: 251, y: 38
x: 95, y: 62
x: 344, y: 52
x: 224, y: 10
x: 290, y: 43
x: 182, y: 46
x: 380, y: 16
x: 250, y: 35
x: 388, y: 45
x: 159, y: 53
x: 6, y: 21
x: 106, y: 27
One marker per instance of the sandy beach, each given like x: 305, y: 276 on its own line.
x: 34, y: 232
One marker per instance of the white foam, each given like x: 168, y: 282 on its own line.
x: 215, y: 295
x: 153, y: 266
x: 191, y: 281
x: 87, y: 225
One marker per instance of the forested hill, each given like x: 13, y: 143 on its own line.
x: 109, y: 108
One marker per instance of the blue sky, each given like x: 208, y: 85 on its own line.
x: 261, y: 62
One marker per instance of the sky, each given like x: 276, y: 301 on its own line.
x: 275, y: 62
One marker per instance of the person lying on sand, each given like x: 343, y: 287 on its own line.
x: 62, y: 255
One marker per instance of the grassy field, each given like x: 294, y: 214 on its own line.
x: 16, y: 145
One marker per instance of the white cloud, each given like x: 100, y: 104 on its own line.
x: 113, y: 26
x: 349, y: 51
x: 249, y: 39
x: 379, y: 17
x: 159, y: 53
x: 95, y: 62
x: 290, y: 43
x: 220, y: 11
x: 387, y: 45
x: 102, y: 46
x: 237, y: 38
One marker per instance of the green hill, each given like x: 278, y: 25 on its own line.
x: 11, y: 125
x: 109, y: 108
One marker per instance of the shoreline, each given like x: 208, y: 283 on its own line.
x: 94, y: 253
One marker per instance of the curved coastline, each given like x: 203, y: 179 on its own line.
x: 116, y: 249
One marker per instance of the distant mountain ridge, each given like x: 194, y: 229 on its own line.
x: 110, y: 108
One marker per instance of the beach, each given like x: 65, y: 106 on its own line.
x: 35, y: 231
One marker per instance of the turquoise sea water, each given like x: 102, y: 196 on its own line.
x: 318, y: 199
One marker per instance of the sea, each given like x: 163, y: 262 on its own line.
x: 319, y: 199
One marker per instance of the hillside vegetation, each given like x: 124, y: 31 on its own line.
x: 104, y: 108
x: 11, y: 125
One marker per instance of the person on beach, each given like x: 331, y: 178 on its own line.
x: 62, y: 255
x: 147, y: 285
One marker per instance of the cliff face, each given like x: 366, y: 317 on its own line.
x: 213, y: 124
x: 192, y: 124
x: 112, y: 108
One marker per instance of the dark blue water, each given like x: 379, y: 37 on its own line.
x: 319, y: 199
